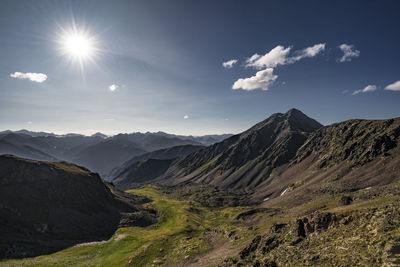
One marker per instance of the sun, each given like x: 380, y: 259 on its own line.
x: 78, y: 45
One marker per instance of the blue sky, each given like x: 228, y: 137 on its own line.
x: 166, y: 58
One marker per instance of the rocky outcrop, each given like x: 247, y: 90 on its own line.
x: 345, y: 200
x: 392, y: 253
x: 317, y: 222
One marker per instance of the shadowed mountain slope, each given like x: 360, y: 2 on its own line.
x: 22, y: 150
x: 49, y: 206
x: 166, y: 153
x: 62, y: 148
x: 247, y: 159
x: 104, y: 156
x: 141, y: 172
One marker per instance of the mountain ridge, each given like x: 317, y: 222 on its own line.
x: 272, y: 141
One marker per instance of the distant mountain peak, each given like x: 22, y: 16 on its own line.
x: 293, y: 120
x: 257, y: 151
x: 294, y: 110
x: 99, y: 134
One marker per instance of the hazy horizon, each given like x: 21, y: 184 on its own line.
x: 92, y: 131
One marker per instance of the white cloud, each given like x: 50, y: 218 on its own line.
x: 280, y: 56
x: 348, y: 52
x: 262, y: 80
x: 34, y: 77
x: 229, y: 64
x: 113, y: 87
x: 186, y: 117
x: 277, y: 56
x: 369, y: 88
x: 394, y: 86
x: 311, y: 51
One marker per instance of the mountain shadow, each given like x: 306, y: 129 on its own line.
x: 137, y: 170
x: 48, y: 206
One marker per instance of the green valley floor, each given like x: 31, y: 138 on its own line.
x: 319, y: 233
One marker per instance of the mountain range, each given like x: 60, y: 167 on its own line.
x: 97, y: 152
x: 270, y: 158
x: 286, y: 192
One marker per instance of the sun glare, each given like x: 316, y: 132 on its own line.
x: 78, y: 45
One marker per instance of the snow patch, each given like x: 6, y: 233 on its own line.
x: 284, y: 192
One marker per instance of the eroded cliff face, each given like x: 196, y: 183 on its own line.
x: 46, y: 206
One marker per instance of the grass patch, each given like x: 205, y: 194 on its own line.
x: 178, y: 236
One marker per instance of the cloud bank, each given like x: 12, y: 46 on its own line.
x: 348, y: 52
x: 369, y: 88
x: 186, y: 117
x: 229, y: 64
x: 34, y: 77
x: 263, y: 79
x: 393, y: 87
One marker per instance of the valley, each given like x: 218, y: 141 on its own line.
x: 153, y: 133
x: 191, y: 234
x: 286, y: 192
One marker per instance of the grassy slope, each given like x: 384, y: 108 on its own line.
x: 177, y: 236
